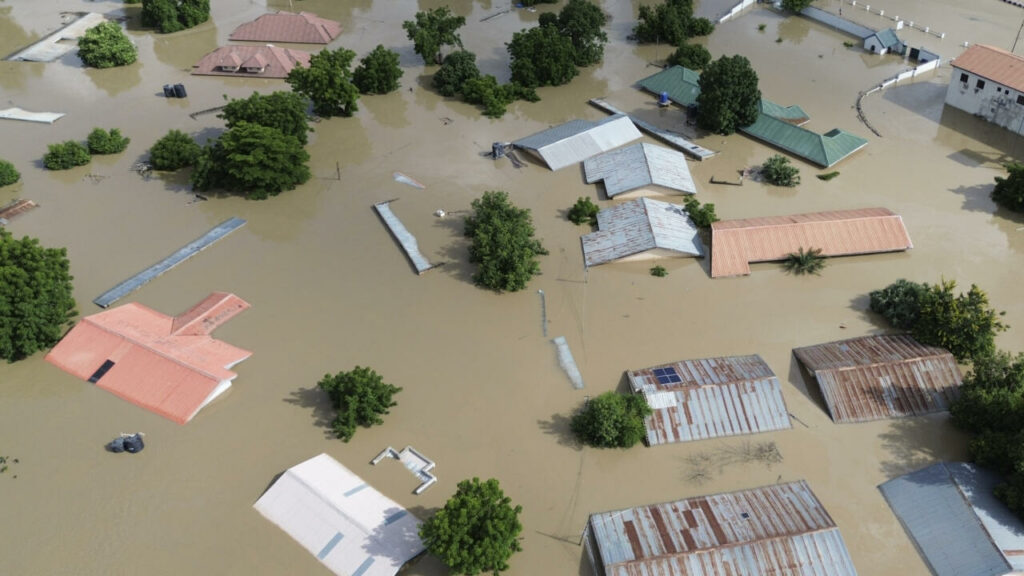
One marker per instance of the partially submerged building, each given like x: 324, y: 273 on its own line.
x: 777, y: 529
x: 61, y: 42
x: 350, y: 527
x: 169, y: 365
x: 989, y: 82
x: 956, y: 523
x: 641, y: 229
x: 710, y: 398
x: 251, y: 61
x: 640, y: 169
x: 884, y: 42
x: 577, y: 140
x: 287, y: 27
x: 737, y: 243
x: 884, y: 376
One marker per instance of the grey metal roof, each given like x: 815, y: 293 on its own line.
x: 887, y: 38
x: 710, y: 398
x: 778, y: 529
x: 639, y: 165
x: 638, y: 226
x: 577, y: 140
x: 402, y: 235
x: 956, y: 523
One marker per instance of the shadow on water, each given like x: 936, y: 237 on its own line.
x: 976, y: 198
x: 806, y: 384
x: 558, y: 426
x: 913, y: 443
x: 456, y: 253
x: 320, y: 407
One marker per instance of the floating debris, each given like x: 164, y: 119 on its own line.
x: 130, y: 443
x: 19, y: 114
x: 404, y: 238
x: 399, y: 177
x: 566, y: 361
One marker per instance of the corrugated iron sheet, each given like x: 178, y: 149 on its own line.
x: 886, y: 376
x: 638, y: 226
x: 956, y: 523
x: 779, y: 529
x: 578, y: 140
x: 681, y: 84
x: 404, y: 238
x: 993, y: 63
x: 637, y: 166
x: 715, y: 397
x: 301, y: 28
x: 822, y: 149
x: 737, y: 243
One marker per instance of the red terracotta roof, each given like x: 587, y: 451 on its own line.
x: 301, y: 28
x: 993, y: 63
x: 168, y: 365
x: 737, y: 243
x: 279, y: 61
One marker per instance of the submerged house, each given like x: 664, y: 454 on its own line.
x: 169, y: 365
x: 286, y: 27
x: 957, y: 524
x: 259, y: 61
x: 884, y: 42
x: 989, y: 82
x: 710, y: 398
x: 737, y: 243
x: 577, y: 140
x: 777, y: 529
x: 640, y: 169
x: 641, y: 229
x: 350, y: 527
x: 884, y: 376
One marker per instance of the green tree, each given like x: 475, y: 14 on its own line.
x: 611, y: 420
x: 432, y: 30
x: 702, y: 215
x: 795, y: 5
x: 1009, y: 191
x: 729, y: 96
x: 173, y: 15
x: 777, y: 171
x: 285, y: 111
x: 503, y: 244
x: 66, y: 155
x: 476, y: 531
x: 378, y: 72
x: 8, y: 173
x: 360, y: 397
x: 692, y: 56
x: 36, y: 300
x: 935, y: 315
x: 582, y: 22
x: 802, y: 262
x: 175, y: 150
x: 670, y: 22
x: 106, y: 46
x: 327, y: 82
x: 584, y: 211
x: 253, y: 160
x: 457, y: 68
x: 542, y: 56
x: 102, y: 142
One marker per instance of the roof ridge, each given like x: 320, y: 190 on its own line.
x: 974, y: 512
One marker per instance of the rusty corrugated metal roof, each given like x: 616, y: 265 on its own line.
x: 710, y: 398
x: 637, y: 166
x: 885, y: 376
x: 278, y: 61
x: 301, y: 28
x: 778, y: 529
x: 638, y: 226
x: 737, y: 243
x: 993, y: 63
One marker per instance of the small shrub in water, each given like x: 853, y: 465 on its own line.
x: 584, y: 211
x: 828, y: 176
x: 659, y: 271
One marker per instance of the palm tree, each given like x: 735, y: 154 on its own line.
x: 808, y: 261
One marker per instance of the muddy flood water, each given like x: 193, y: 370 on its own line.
x: 483, y: 393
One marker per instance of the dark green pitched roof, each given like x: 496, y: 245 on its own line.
x: 792, y: 114
x: 821, y: 149
x: 681, y: 84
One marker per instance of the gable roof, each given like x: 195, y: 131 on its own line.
x: 883, y: 376
x: 887, y: 38
x: 737, y: 243
x: 681, y: 84
x: 710, y: 398
x: 167, y: 365
x: 577, y: 140
x: 278, y: 61
x: 822, y: 149
x: 639, y: 165
x: 993, y: 63
x: 777, y: 529
x: 791, y: 114
x: 353, y: 529
x: 638, y: 226
x: 955, y: 521
x: 301, y: 28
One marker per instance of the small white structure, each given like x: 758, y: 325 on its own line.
x: 884, y: 42
x: 41, y: 117
x: 641, y: 229
x: 640, y: 169
x: 989, y: 82
x: 578, y: 140
x: 414, y: 461
x: 350, y: 527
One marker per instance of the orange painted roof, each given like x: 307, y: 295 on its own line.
x: 279, y: 61
x: 168, y: 365
x: 993, y: 63
x: 302, y: 28
x: 737, y: 243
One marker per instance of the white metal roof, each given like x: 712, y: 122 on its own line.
x: 638, y: 226
x: 351, y: 528
x: 640, y: 165
x: 578, y: 140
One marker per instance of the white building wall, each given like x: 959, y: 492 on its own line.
x: 992, y: 101
x: 871, y: 44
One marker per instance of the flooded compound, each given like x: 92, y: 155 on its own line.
x: 483, y: 391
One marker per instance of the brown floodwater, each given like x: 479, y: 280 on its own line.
x: 483, y: 393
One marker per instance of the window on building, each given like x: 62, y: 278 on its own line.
x: 963, y: 77
x: 1020, y: 99
x: 980, y: 84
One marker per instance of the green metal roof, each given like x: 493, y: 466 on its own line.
x: 821, y: 149
x: 681, y: 84
x: 792, y: 114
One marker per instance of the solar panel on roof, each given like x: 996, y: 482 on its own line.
x: 667, y: 375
